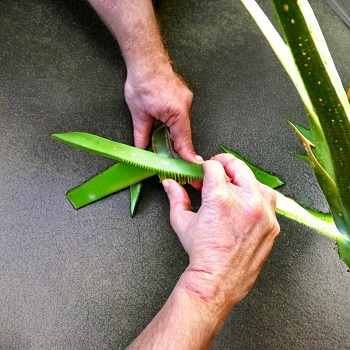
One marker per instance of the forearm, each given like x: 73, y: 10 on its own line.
x: 133, y: 23
x: 185, y: 322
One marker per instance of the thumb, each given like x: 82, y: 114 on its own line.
x: 181, y: 135
x: 180, y: 210
x: 142, y: 130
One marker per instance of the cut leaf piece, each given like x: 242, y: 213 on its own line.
x: 135, y: 191
x: 262, y: 175
x: 162, y: 144
x: 114, y: 179
x: 176, y: 169
x: 344, y: 251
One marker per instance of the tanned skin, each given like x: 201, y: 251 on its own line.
x: 153, y: 91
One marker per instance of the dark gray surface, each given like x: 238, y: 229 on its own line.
x: 93, y: 279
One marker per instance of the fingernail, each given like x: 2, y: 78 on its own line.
x: 166, y: 184
x: 199, y: 159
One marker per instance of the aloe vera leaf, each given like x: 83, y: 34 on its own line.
x: 262, y: 175
x: 162, y: 144
x: 344, y: 251
x: 113, y: 179
x: 329, y: 102
x: 176, y: 169
x: 307, y: 133
x: 303, y: 157
x: 310, y: 66
x: 321, y: 222
x: 135, y: 192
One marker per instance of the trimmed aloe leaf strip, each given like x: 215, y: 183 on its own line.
x: 135, y: 191
x: 114, y: 179
x: 262, y: 175
x: 283, y: 209
x: 176, y: 169
x: 161, y: 144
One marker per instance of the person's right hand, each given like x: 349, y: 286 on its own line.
x: 230, y: 237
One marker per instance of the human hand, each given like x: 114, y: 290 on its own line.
x: 230, y: 237
x: 161, y: 95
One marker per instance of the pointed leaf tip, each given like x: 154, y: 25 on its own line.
x: 344, y: 251
x: 135, y: 191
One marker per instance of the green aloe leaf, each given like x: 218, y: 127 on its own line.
x: 176, y: 169
x: 329, y: 111
x: 308, y: 62
x: 123, y: 175
x: 162, y: 145
x: 116, y: 178
x: 265, y: 177
x: 135, y: 192
x: 344, y: 251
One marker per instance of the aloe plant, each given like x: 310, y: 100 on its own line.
x: 306, y: 59
x: 305, y: 56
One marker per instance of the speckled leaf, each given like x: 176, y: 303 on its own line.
x: 308, y: 62
x: 265, y: 177
x: 329, y: 111
x: 176, y: 169
x: 116, y: 178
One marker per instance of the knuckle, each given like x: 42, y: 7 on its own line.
x: 276, y: 229
x: 189, y: 96
x: 272, y: 228
x: 270, y: 193
x: 254, y: 210
x: 221, y: 198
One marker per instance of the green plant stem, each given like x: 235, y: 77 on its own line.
x: 289, y: 208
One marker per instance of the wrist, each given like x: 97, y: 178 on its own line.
x: 211, y: 290
x: 145, y: 69
x: 198, y: 313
